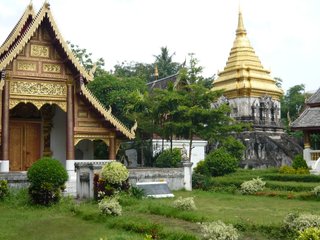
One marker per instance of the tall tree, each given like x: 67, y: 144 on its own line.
x: 165, y: 64
x: 292, y: 103
x: 85, y: 59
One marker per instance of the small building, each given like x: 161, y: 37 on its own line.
x: 46, y: 107
x: 309, y: 123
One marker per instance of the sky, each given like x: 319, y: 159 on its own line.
x: 285, y: 34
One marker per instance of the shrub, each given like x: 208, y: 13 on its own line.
x: 311, y: 233
x: 234, y: 147
x: 169, y: 158
x: 252, y: 186
x: 184, y: 203
x: 316, y: 191
x: 218, y: 231
x: 302, y: 171
x: 287, y: 170
x: 4, y: 190
x: 295, y: 222
x: 200, y: 181
x: 299, y: 162
x: 47, y: 177
x: 110, y: 206
x: 218, y: 163
x: 114, y: 173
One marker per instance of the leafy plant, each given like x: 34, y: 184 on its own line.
x: 252, y: 186
x: 299, y: 162
x: 110, y: 206
x: 218, y: 231
x: 218, y: 163
x: 47, y: 177
x: 185, y: 203
x: 287, y: 170
x: 311, y: 233
x: 169, y: 158
x: 4, y: 189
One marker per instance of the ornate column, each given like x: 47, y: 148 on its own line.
x: 5, y: 127
x: 70, y: 127
x: 112, y: 149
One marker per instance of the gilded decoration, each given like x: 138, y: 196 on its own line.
x: 104, y: 138
x: 39, y: 51
x: 38, y: 103
x: 26, y: 66
x: 51, y: 68
x: 37, y: 88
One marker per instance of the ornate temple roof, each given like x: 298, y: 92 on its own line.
x: 21, y: 35
x: 244, y: 75
x: 310, y: 117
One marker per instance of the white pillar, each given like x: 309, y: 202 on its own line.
x: 187, y: 175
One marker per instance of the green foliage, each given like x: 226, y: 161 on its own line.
x: 4, y: 189
x: 311, y: 233
x: 218, y: 231
x: 115, y: 92
x: 292, y: 102
x: 287, y: 170
x: 218, y: 163
x: 166, y: 66
x: 136, y: 192
x: 252, y: 186
x: 47, y: 177
x: 201, y: 181
x: 133, y: 69
x: 234, y: 147
x: 169, y: 158
x: 114, y: 173
x: 110, y: 206
x: 299, y: 162
x: 185, y: 203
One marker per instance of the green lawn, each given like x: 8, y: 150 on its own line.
x: 258, y: 217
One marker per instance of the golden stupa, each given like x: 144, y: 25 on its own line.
x: 244, y: 75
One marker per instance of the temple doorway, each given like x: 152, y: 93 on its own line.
x: 25, y: 130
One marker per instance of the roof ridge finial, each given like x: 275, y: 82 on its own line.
x: 240, y: 29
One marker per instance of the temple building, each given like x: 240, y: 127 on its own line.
x: 309, y: 123
x: 46, y: 107
x: 254, y: 97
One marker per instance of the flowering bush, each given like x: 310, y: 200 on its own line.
x: 287, y: 170
x: 296, y: 222
x: 218, y: 231
x: 185, y: 203
x: 316, y: 191
x: 4, y: 190
x: 252, y: 186
x: 311, y: 233
x: 114, y: 173
x: 110, y: 206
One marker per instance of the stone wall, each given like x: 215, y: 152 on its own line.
x: 15, y: 179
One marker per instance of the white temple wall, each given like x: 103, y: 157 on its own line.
x: 58, y: 135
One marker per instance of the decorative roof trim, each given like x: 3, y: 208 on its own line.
x: 107, y: 114
x: 44, y: 12
x: 16, y: 31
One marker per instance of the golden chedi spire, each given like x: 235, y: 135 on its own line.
x: 244, y: 75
